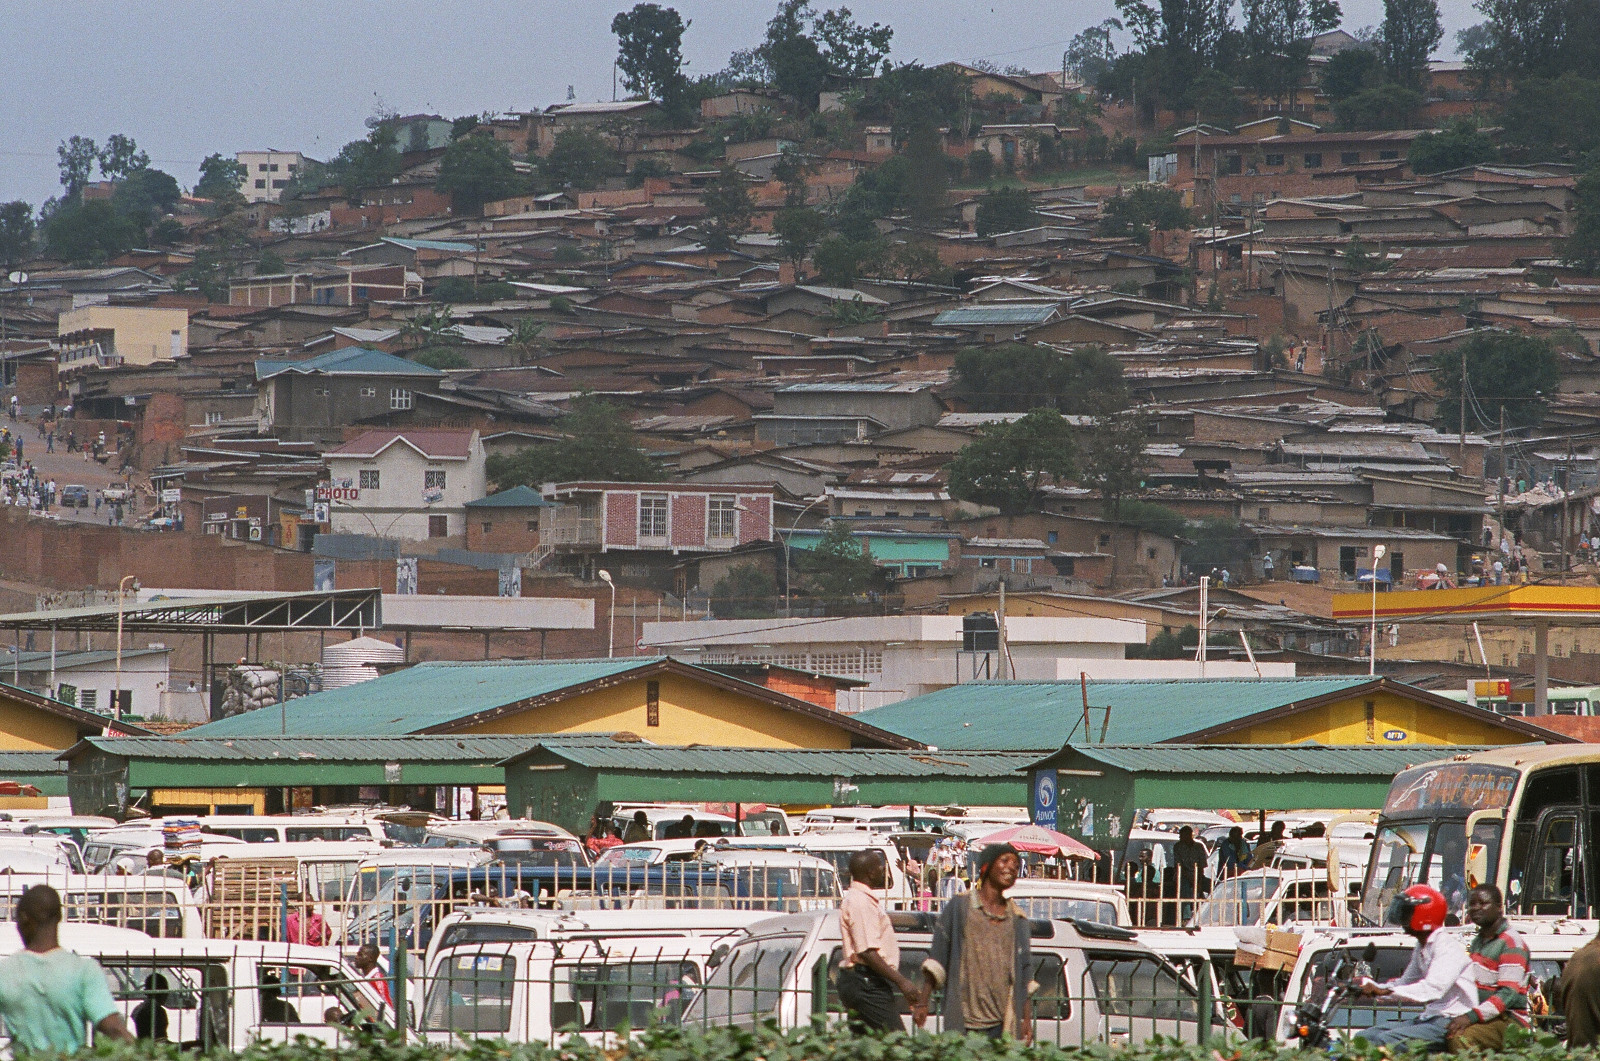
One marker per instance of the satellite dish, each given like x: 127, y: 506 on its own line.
x: 18, y: 277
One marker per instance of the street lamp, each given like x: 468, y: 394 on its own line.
x: 116, y: 697
x: 788, y: 593
x: 1372, y: 663
x: 611, y: 639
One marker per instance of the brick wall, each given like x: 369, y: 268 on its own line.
x: 688, y: 530
x: 819, y: 691
x: 164, y: 419
x: 755, y: 522
x: 37, y: 383
x: 622, y: 518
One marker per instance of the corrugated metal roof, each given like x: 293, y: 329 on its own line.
x: 431, y: 244
x: 1243, y: 759
x: 516, y: 497
x: 420, y: 697
x: 333, y: 749
x: 775, y: 762
x: 14, y: 763
x: 970, y: 315
x: 1017, y: 715
x: 354, y: 360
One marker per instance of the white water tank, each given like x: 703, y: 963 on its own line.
x: 350, y: 662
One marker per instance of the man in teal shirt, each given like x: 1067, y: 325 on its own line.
x: 49, y: 996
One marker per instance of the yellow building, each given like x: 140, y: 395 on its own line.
x: 142, y: 335
x: 33, y: 730
x: 660, y: 699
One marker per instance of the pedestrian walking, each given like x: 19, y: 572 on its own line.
x: 1233, y: 854
x: 1189, y: 861
x: 49, y: 995
x: 1144, y: 889
x: 1268, y: 847
x: 981, y: 954
x: 869, y: 966
x: 1500, y: 963
x: 1577, y: 995
x: 97, y: 502
x: 50, y: 442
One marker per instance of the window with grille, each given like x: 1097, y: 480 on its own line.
x: 369, y: 392
x: 1313, y: 159
x: 438, y: 526
x: 652, y: 703
x: 87, y: 699
x: 722, y: 518
x: 213, y: 418
x: 369, y: 479
x: 653, y: 516
x: 433, y: 477
x: 399, y: 398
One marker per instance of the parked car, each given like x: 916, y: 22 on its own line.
x: 74, y: 496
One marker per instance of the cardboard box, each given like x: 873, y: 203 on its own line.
x: 1283, y: 950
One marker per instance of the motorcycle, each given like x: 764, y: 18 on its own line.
x: 1312, y: 1016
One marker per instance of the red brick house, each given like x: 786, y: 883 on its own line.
x: 661, y: 518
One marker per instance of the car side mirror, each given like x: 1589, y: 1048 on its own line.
x: 717, y: 955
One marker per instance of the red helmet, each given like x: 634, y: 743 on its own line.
x: 1420, y: 908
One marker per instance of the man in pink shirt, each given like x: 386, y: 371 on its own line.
x: 869, y: 969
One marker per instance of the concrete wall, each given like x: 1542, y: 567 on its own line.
x: 143, y: 333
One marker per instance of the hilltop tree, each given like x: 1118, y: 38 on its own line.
x: 89, y: 233
x: 1091, y: 53
x: 1581, y: 250
x: 1141, y: 210
x: 1408, y: 36
x: 477, y: 169
x: 1461, y: 143
x: 1525, y: 39
x: 650, y: 52
x: 1277, y: 40
x: 837, y: 569
x: 728, y: 209
x: 1183, y: 37
x: 367, y: 163
x: 803, y: 49
x: 597, y: 443
x: 1004, y: 210
x: 16, y: 233
x: 580, y: 159
x: 1350, y: 71
x: 145, y: 194
x: 1113, y: 457
x: 1553, y: 119
x: 1504, y: 371
x: 1009, y: 465
x: 77, y: 157
x: 849, y: 49
x: 1384, y: 106
x: 121, y: 156
x: 220, y: 180
x: 799, y: 229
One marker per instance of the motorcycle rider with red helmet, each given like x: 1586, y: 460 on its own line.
x: 1438, y: 977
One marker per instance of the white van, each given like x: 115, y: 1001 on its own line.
x: 491, y: 924
x: 837, y: 848
x: 665, y: 818
x: 1050, y: 899
x: 1096, y: 983
x: 543, y: 991
x: 39, y: 853
x: 870, y: 819
x: 153, y: 904
x: 1274, y: 896
x: 224, y: 994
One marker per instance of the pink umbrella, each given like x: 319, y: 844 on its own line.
x: 1038, y: 839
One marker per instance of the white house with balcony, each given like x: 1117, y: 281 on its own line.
x: 408, y: 485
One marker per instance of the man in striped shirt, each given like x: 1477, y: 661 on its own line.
x: 1500, y: 967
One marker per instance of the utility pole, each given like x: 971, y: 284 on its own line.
x: 1461, y: 447
x: 1505, y: 475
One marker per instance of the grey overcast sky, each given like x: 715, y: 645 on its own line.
x: 187, y: 77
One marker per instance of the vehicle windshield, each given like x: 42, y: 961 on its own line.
x: 1418, y: 852
x: 622, y: 995
x: 385, y: 896
x: 632, y: 856
x: 1056, y: 907
x: 1236, y: 901
x: 539, y: 850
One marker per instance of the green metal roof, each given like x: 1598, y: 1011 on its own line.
x: 516, y: 497
x: 15, y: 763
x: 1004, y: 716
x: 353, y: 360
x: 773, y: 762
x: 340, y: 749
x: 1234, y: 760
x: 418, y: 698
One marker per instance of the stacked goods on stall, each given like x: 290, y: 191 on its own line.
x: 250, y: 688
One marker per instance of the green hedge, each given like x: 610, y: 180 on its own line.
x: 835, y: 1044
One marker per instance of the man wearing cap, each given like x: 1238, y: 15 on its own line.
x: 981, y: 954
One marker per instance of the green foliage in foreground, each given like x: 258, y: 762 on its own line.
x: 667, y: 1043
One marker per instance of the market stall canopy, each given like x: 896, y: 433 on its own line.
x: 1040, y: 841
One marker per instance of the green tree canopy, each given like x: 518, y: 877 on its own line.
x: 1350, y: 71
x: 76, y: 158
x: 1142, y: 209
x: 1409, y: 34
x: 650, y: 50
x: 745, y: 592
x: 367, y: 163
x: 16, y: 233
x: 1091, y: 52
x: 144, y: 195
x: 1524, y: 39
x: 597, y: 443
x: 1277, y: 40
x: 1553, y: 120
x: 1016, y: 377
x: 799, y: 229
x: 1113, y: 457
x: 837, y: 569
x: 121, y: 156
x: 441, y: 358
x: 89, y: 233
x: 1504, y: 371
x: 1009, y: 465
x: 1461, y: 143
x: 728, y: 209
x: 580, y: 159
x: 1384, y: 106
x: 477, y: 169
x: 1179, y: 38
x: 840, y: 261
x: 1004, y: 210
x: 1581, y: 250
x: 220, y: 179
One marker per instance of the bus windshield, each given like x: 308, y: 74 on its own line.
x: 1416, y: 852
